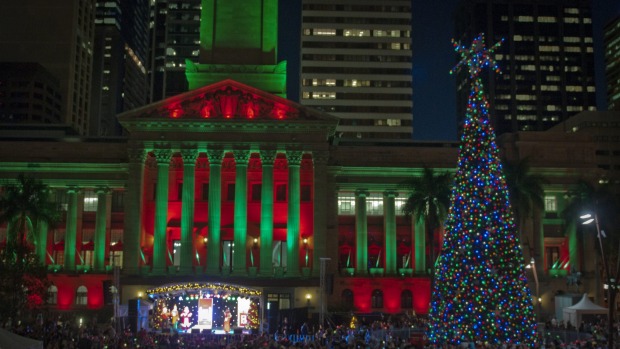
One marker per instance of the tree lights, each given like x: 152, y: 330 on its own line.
x: 481, y: 292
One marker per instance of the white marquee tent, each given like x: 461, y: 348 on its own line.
x: 10, y: 340
x: 583, y: 310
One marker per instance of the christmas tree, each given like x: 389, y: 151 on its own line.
x: 481, y: 292
x: 252, y: 316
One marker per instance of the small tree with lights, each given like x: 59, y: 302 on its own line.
x: 252, y: 316
x: 481, y: 292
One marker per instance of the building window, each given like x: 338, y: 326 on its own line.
x: 399, y: 205
x: 278, y: 254
x: 228, y: 251
x: 279, y: 300
x: 81, y: 296
x: 552, y: 257
x: 52, y: 295
x: 118, y: 198
x: 204, y: 195
x: 346, y: 204
x: 281, y: 193
x: 306, y: 193
x: 230, y: 192
x: 176, y: 253
x: 346, y: 298
x: 551, y: 204
x: 256, y: 192
x: 90, y: 201
x: 376, y: 299
x: 179, y: 191
x: 406, y: 299
x: 324, y: 32
x: 374, y: 205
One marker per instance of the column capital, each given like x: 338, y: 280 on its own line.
x: 136, y: 155
x: 215, y: 156
x: 162, y: 156
x: 189, y: 156
x: 294, y: 157
x: 390, y: 193
x: 241, y: 156
x: 73, y: 189
x: 102, y: 190
x: 362, y: 193
x: 267, y: 156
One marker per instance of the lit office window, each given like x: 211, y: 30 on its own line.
x: 374, y: 205
x: 546, y: 19
x: 525, y: 19
x: 356, y: 32
x: 324, y: 95
x: 346, y: 204
x: 324, y: 32
x: 551, y: 204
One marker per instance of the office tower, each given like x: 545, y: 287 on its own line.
x: 238, y: 41
x: 547, y: 60
x: 120, y: 79
x: 612, y: 63
x: 59, y: 36
x: 356, y: 65
x: 29, y: 94
x: 176, y: 38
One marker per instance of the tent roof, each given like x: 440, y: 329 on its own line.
x: 586, y: 304
x: 12, y: 340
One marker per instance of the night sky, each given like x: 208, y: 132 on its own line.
x: 434, y: 90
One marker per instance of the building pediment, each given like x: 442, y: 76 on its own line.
x: 222, y: 105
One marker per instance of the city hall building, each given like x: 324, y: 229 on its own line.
x: 232, y: 191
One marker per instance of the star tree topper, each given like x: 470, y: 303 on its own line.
x: 476, y: 57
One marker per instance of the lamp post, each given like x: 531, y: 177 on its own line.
x: 611, y: 281
x: 532, y: 266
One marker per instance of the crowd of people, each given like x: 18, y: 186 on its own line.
x: 397, y: 332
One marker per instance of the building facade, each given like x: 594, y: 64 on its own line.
x: 612, y: 63
x: 229, y: 184
x: 120, y: 63
x: 356, y: 65
x: 547, y: 60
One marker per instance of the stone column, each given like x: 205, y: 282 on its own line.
x: 266, y: 213
x: 100, y: 229
x: 133, y: 212
x: 241, y: 211
x: 419, y: 241
x: 71, y: 228
x: 187, y: 210
x: 215, y: 208
x: 389, y: 236
x: 41, y: 242
x: 292, y: 227
x: 160, y: 243
x: 361, y: 233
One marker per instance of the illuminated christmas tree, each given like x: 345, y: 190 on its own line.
x: 253, y: 316
x: 481, y: 292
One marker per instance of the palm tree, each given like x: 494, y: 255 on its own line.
x: 23, y: 281
x: 429, y: 200
x: 525, y: 188
x: 23, y: 206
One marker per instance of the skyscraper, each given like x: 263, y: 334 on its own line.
x: 612, y: 63
x: 547, y: 60
x: 120, y: 79
x: 356, y: 65
x: 59, y: 36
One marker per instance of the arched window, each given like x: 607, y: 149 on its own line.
x: 346, y: 298
x: 406, y: 300
x: 376, y: 299
x: 52, y: 295
x: 81, y: 296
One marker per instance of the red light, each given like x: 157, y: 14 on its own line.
x: 250, y: 113
x: 205, y: 112
x: 176, y: 113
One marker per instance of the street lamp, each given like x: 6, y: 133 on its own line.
x: 610, y: 281
x: 532, y: 266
